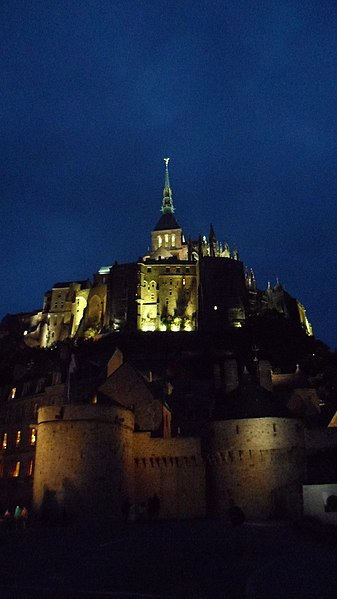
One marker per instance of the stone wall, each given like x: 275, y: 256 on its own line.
x: 83, y: 461
x: 256, y: 464
x: 174, y: 470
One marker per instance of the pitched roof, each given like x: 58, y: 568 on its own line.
x: 166, y: 221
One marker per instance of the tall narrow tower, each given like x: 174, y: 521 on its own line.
x: 167, y: 236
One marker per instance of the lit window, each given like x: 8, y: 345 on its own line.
x: 160, y: 241
x: 18, y: 438
x: 166, y: 239
x: 4, y: 441
x: 12, y: 393
x: 215, y: 307
x: 184, y: 281
x: 15, y: 471
x: 33, y: 436
x: 173, y: 240
x: 30, y: 468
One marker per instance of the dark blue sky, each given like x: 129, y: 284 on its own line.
x: 242, y: 95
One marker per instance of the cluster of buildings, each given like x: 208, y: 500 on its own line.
x: 99, y: 429
x: 180, y: 285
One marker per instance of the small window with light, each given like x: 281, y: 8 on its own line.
x: 33, y: 432
x: 4, y: 441
x: 15, y: 470
x: 30, y: 469
x: 18, y: 438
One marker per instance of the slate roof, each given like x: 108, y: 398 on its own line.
x: 166, y: 221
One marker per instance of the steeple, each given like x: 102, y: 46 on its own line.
x: 167, y: 207
x: 167, y: 221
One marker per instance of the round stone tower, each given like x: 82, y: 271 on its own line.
x: 256, y: 464
x: 84, y: 461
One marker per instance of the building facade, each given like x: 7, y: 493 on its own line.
x: 178, y: 286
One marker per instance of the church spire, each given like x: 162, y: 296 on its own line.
x: 167, y: 206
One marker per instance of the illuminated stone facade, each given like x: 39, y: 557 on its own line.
x: 178, y: 286
x: 69, y: 459
x: 167, y: 295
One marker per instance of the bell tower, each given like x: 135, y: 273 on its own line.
x: 167, y: 236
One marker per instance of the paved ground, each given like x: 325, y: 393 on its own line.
x: 199, y: 560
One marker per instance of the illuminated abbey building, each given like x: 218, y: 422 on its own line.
x: 180, y: 285
x: 201, y: 424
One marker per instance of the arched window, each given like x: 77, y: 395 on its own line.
x: 160, y: 241
x: 173, y: 240
x: 166, y: 239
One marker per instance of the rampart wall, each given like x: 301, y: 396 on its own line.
x: 173, y: 469
x: 83, y: 461
x: 256, y: 464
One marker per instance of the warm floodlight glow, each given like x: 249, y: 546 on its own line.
x: 148, y: 328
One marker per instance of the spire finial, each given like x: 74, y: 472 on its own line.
x: 167, y: 181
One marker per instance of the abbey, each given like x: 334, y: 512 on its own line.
x: 172, y: 397
x: 178, y: 286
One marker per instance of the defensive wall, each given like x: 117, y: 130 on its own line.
x: 89, y: 460
x: 83, y: 461
x: 174, y: 469
x: 255, y: 463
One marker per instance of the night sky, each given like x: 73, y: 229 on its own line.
x: 241, y: 95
